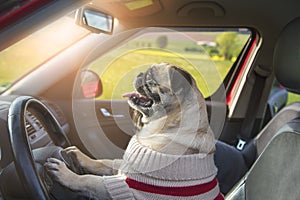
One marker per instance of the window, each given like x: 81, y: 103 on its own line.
x: 29, y: 53
x: 292, y: 97
x: 279, y: 97
x: 208, y: 54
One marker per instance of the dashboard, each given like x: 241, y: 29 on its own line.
x: 37, y: 132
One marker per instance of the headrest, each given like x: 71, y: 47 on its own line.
x: 287, y: 57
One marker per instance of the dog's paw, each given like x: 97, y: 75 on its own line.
x: 61, y: 173
x: 88, y: 165
x: 79, y: 158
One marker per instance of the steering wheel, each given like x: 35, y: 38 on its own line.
x: 24, y: 158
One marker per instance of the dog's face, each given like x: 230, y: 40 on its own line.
x: 161, y: 90
x: 168, y: 101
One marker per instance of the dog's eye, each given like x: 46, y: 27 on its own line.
x: 151, y: 83
x: 164, y: 90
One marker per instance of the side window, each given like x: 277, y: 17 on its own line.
x: 279, y: 97
x: 292, y: 97
x: 45, y: 43
x: 208, y: 54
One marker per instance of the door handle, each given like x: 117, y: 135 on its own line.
x: 106, y: 113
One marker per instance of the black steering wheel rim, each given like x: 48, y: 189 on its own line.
x: 20, y: 147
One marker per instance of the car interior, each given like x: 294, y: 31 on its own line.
x: 259, y: 181
x: 62, y: 75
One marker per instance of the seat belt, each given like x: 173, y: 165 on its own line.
x: 248, y: 123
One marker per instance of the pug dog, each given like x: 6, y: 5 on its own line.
x: 170, y: 156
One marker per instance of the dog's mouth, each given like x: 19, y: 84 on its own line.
x: 138, y: 99
x: 144, y: 96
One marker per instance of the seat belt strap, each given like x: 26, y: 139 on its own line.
x: 249, y: 121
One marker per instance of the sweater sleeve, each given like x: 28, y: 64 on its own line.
x: 117, y: 187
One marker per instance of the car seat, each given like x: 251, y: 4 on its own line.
x: 276, y: 172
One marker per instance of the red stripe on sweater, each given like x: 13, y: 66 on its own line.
x: 219, y: 197
x: 174, y: 191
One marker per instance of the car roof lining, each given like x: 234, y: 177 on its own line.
x: 171, y: 13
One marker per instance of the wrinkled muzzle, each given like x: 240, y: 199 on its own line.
x: 145, y: 96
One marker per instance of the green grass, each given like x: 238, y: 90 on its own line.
x: 293, y: 98
x: 117, y: 72
x: 118, y: 68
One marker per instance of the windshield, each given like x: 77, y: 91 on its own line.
x: 27, y: 54
x: 207, y: 54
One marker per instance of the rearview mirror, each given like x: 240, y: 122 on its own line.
x: 94, y: 20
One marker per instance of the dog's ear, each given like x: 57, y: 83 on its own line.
x: 181, y: 80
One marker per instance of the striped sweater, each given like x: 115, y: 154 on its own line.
x: 147, y: 174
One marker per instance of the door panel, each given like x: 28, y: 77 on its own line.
x: 103, y: 135
x: 114, y: 118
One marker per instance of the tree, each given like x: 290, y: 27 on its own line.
x: 162, y: 41
x: 227, y: 44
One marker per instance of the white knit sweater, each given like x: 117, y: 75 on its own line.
x: 147, y: 174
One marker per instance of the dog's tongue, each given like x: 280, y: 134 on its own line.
x: 136, y: 95
x: 130, y: 94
